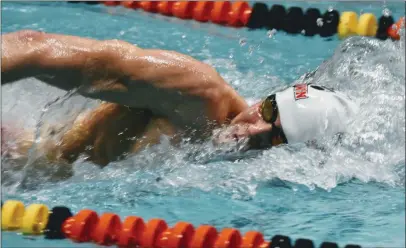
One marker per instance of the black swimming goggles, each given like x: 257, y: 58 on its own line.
x: 269, y: 112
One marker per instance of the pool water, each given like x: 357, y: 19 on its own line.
x: 347, y: 193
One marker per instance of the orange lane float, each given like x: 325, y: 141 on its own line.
x: 153, y: 229
x: 245, y: 17
x: 131, y: 232
x: 165, y: 7
x: 107, y: 230
x: 205, y: 236
x: 220, y: 11
x: 130, y: 4
x: 178, y: 236
x: 111, y: 3
x: 183, y: 9
x: 236, y: 13
x: 79, y: 227
x: 228, y: 238
x: 202, y: 11
x: 253, y: 239
x: 149, y: 6
x: 393, y: 31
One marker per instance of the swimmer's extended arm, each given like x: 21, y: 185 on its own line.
x: 103, y: 65
x: 117, y: 71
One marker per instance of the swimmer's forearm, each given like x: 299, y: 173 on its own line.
x: 68, y: 62
x: 28, y: 54
x: 56, y: 59
x: 15, y: 58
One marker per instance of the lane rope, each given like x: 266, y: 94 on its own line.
x: 108, y: 229
x: 292, y: 20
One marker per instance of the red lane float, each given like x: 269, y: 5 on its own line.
x: 149, y: 6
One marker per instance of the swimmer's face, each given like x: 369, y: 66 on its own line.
x: 250, y: 126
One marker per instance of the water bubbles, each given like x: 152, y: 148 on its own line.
x: 271, y: 33
x: 319, y: 22
x: 243, y: 41
x: 231, y: 53
x: 386, y: 12
x: 183, y: 36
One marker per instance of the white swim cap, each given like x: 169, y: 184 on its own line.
x: 309, y: 112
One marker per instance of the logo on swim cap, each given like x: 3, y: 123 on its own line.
x: 300, y: 91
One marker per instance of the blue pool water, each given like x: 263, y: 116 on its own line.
x: 351, y: 193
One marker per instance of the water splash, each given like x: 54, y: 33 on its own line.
x: 370, y: 71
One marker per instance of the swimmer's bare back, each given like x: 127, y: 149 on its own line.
x: 102, y: 135
x: 189, y: 93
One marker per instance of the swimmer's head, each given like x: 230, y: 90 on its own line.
x: 297, y: 114
x: 251, y: 130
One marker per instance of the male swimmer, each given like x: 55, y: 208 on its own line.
x: 153, y: 92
